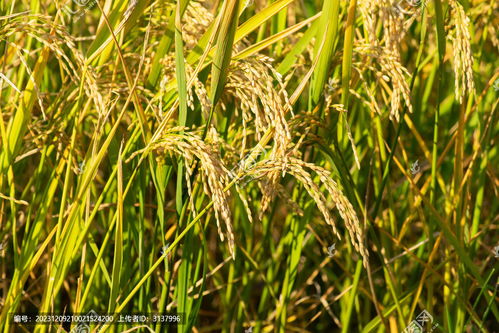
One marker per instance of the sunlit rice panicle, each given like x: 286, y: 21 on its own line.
x: 463, y: 56
x: 298, y: 169
x: 195, y: 23
x: 57, y: 39
x: 368, y: 10
x: 214, y: 175
x: 395, y: 17
x: 250, y: 84
x: 392, y: 17
x: 392, y: 71
x: 345, y: 209
x: 396, y: 20
x: 214, y: 139
x: 195, y: 20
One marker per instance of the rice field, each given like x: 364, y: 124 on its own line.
x: 249, y: 166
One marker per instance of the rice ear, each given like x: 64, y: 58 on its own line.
x: 463, y: 56
x: 214, y: 175
x: 299, y: 170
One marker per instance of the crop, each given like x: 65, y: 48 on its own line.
x: 256, y: 166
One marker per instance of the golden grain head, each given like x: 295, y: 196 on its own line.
x: 214, y: 175
x: 463, y: 56
x: 250, y: 85
x: 55, y: 38
x: 392, y: 71
x: 301, y: 171
x: 195, y: 22
x: 396, y: 18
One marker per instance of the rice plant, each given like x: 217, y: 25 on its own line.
x: 249, y: 166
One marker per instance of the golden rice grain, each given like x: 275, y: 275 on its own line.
x: 214, y: 175
x: 463, y: 56
x: 395, y: 17
x: 250, y: 85
x: 392, y: 69
x: 298, y: 169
